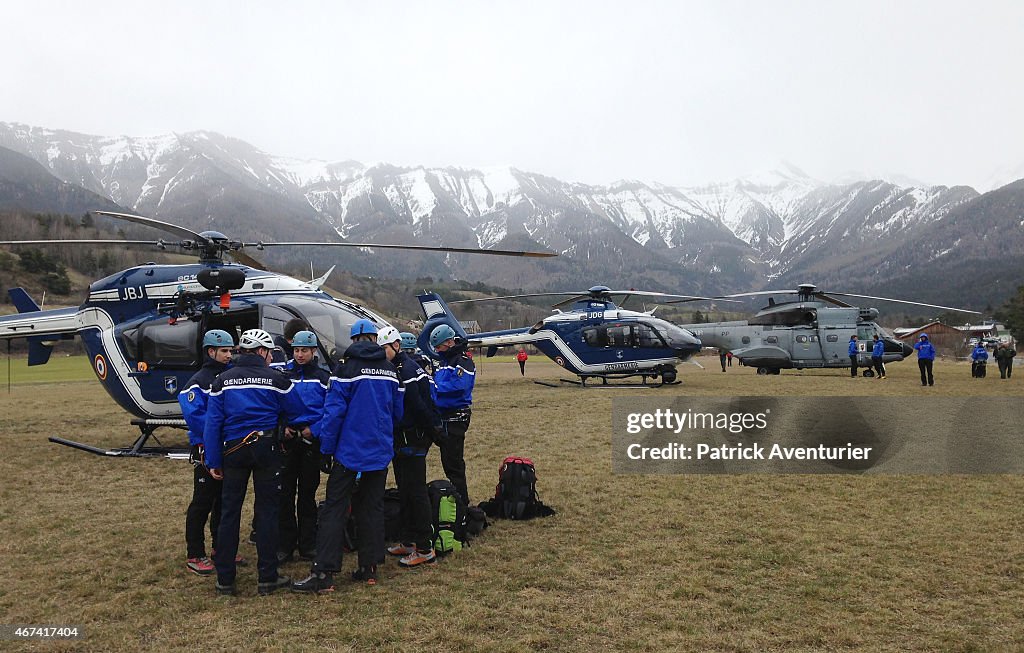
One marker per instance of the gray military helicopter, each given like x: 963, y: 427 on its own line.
x: 812, y: 332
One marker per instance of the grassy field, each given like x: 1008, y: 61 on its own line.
x: 632, y: 563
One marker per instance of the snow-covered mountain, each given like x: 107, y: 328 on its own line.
x: 723, y: 236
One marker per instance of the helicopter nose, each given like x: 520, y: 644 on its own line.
x: 907, y: 350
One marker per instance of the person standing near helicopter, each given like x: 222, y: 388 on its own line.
x: 853, y: 357
x: 362, y: 407
x: 877, y: 351
x: 247, y: 402
x: 413, y: 435
x: 454, y: 377
x: 205, y: 505
x: 300, y: 472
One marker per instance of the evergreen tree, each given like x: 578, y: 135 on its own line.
x: 1012, y: 314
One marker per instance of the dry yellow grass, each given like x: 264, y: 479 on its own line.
x: 635, y: 563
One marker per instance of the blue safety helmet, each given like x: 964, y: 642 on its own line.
x: 441, y: 333
x: 218, y: 338
x: 304, y: 339
x: 408, y: 340
x: 363, y: 328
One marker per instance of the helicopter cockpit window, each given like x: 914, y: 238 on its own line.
x: 165, y: 345
x: 647, y: 336
x: 331, y: 322
x: 792, y: 317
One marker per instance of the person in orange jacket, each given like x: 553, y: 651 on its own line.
x: 521, y: 357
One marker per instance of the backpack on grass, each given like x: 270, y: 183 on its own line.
x: 515, y: 496
x: 448, y: 509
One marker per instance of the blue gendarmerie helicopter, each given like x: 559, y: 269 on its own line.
x: 594, y: 339
x: 143, y: 327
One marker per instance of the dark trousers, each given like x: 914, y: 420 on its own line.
x: 205, y: 505
x: 300, y: 478
x: 453, y: 459
x: 1005, y: 366
x: 876, y: 361
x: 522, y: 368
x: 925, y: 365
x: 978, y: 369
x: 853, y: 365
x: 411, y: 476
x: 262, y: 461
x: 721, y: 359
x: 365, y: 498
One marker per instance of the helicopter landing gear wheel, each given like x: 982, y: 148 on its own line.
x: 668, y: 376
x: 869, y: 374
x: 762, y: 371
x: 776, y: 371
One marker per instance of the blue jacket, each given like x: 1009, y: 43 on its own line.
x: 853, y: 347
x: 420, y: 409
x: 195, y: 396
x: 877, y: 349
x: 248, y: 397
x: 363, y: 405
x: 454, y: 377
x: 925, y: 350
x: 310, y: 383
x: 979, y: 354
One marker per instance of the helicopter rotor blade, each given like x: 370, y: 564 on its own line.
x: 181, y: 232
x: 155, y: 243
x: 904, y: 301
x: 245, y: 259
x: 424, y: 248
x: 533, y: 294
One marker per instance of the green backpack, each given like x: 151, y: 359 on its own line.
x: 449, y: 513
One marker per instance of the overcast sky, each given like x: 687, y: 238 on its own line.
x: 677, y: 92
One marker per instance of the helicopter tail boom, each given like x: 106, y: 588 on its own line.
x: 39, y: 327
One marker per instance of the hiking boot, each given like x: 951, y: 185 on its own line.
x: 366, y: 575
x: 269, y: 587
x: 402, y: 550
x: 200, y: 566
x: 418, y: 558
x: 315, y: 583
x: 225, y: 590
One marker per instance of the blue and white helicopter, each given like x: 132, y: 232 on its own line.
x: 594, y: 339
x: 143, y: 327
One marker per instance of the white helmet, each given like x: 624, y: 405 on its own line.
x: 387, y: 335
x: 254, y: 339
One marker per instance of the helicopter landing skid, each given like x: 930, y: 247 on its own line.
x: 139, y: 448
x: 606, y: 385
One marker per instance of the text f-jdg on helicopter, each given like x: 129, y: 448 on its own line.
x: 143, y: 327
x: 594, y: 339
x: 813, y: 331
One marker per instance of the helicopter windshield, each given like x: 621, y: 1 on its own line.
x: 675, y: 337
x: 330, y: 321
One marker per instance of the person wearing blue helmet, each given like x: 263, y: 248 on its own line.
x: 363, y: 405
x: 925, y: 359
x: 454, y: 378
x: 205, y: 505
x: 300, y: 468
x: 410, y: 348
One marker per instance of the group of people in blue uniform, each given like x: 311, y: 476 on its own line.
x: 1004, y: 354
x: 285, y: 423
